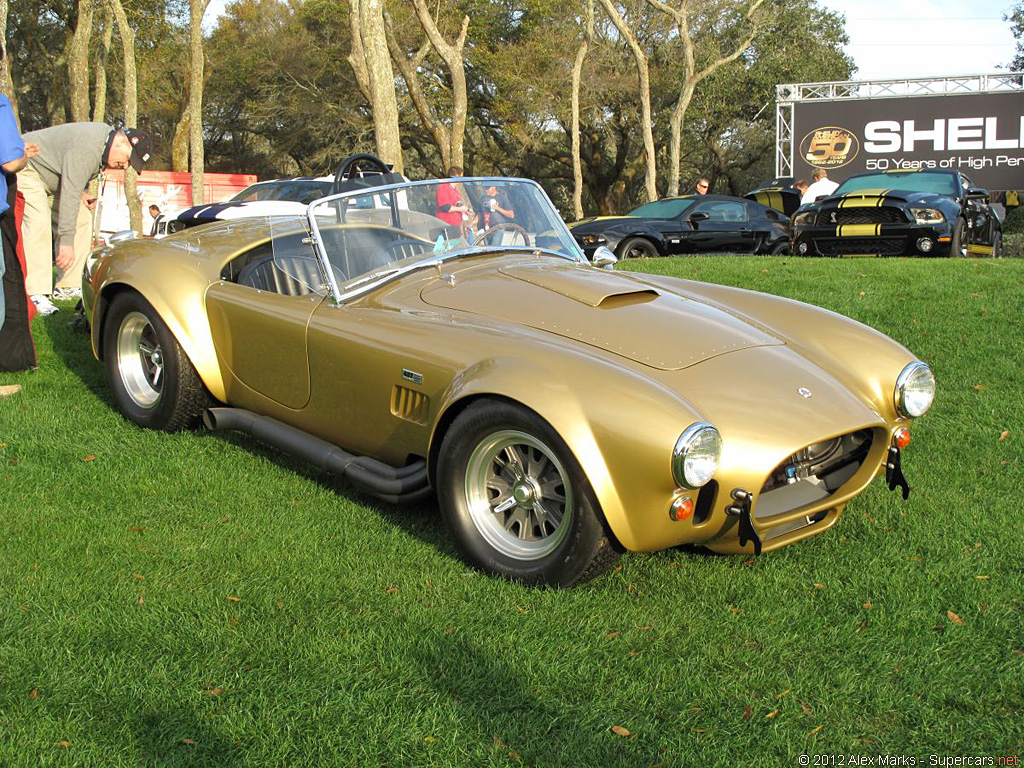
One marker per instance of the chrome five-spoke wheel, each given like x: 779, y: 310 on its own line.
x: 140, y: 360
x: 153, y: 382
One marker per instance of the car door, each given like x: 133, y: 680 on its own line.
x: 721, y: 226
x: 259, y: 312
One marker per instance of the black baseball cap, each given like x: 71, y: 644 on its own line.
x: 142, y: 148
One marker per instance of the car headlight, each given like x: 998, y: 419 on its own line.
x: 927, y: 215
x: 915, y: 389
x: 696, y: 455
x: 805, y: 219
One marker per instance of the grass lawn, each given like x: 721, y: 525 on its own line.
x: 192, y: 599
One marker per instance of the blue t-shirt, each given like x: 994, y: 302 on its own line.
x: 12, y: 146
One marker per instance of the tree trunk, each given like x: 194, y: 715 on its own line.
x: 692, y: 77
x: 99, y: 99
x: 179, y: 144
x: 6, y: 86
x: 577, y: 72
x: 381, y: 83
x: 78, y: 62
x: 644, y: 77
x: 197, y: 9
x: 407, y: 67
x: 131, y: 106
x: 452, y: 55
x: 357, y: 57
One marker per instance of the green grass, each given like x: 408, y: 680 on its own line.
x: 357, y: 637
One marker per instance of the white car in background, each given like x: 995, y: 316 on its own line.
x: 283, y: 197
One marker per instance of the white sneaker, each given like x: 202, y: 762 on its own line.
x: 67, y: 293
x: 43, y: 304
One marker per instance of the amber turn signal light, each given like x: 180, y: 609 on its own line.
x: 901, y: 438
x: 681, y: 508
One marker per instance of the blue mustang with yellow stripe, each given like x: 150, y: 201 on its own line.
x: 917, y: 212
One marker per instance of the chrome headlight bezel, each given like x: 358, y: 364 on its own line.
x: 804, y: 219
x: 926, y: 216
x: 915, y: 390
x: 699, y: 436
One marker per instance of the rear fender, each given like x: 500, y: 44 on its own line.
x: 177, y: 293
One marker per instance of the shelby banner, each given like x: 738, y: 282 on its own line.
x: 981, y: 135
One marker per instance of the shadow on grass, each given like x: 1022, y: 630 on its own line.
x: 174, y: 736
x: 494, y: 703
x: 73, y: 348
x: 420, y: 520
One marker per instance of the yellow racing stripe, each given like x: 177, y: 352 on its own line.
x: 858, y: 230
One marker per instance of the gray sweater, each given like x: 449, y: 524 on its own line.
x: 69, y: 158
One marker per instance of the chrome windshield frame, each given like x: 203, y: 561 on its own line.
x: 363, y: 284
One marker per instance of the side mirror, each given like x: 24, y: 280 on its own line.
x: 698, y: 216
x: 977, y: 193
x: 604, y: 258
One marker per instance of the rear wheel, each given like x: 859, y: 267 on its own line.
x: 516, y: 500
x: 637, y: 248
x: 153, y: 381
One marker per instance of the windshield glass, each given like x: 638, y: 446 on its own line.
x: 663, y: 209
x: 364, y: 233
x: 935, y: 183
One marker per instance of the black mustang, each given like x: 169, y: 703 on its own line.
x: 689, y: 224
x: 917, y: 212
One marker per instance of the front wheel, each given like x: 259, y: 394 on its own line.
x: 153, y: 381
x: 637, y: 248
x: 517, y: 502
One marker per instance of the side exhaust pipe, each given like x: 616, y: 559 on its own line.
x: 396, y: 485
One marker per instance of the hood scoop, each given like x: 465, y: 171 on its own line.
x: 593, y: 287
x: 611, y: 311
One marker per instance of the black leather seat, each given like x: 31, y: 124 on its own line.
x: 287, y: 275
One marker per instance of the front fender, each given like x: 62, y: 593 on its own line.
x: 620, y: 426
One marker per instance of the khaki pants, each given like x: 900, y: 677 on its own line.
x: 36, y: 234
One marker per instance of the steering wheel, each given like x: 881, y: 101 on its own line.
x: 499, y: 227
x: 352, y: 166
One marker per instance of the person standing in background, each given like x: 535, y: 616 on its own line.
x: 703, y: 185
x: 56, y: 180
x: 821, y: 186
x: 17, y: 352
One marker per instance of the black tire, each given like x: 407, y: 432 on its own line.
x: 782, y: 248
x: 958, y: 245
x: 637, y: 248
x: 153, y: 382
x: 498, y: 454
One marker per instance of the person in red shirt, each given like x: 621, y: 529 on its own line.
x: 450, y: 205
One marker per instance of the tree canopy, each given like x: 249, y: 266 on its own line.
x: 281, y: 97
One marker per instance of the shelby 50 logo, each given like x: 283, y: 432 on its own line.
x: 829, y: 147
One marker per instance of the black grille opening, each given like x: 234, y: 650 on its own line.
x: 885, y: 246
x: 813, y: 473
x: 705, y: 501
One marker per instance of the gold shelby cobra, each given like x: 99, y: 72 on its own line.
x: 450, y: 337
